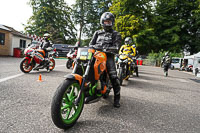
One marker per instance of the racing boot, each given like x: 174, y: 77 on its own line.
x: 116, y: 88
x: 116, y: 101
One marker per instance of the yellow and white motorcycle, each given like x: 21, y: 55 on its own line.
x: 126, y: 66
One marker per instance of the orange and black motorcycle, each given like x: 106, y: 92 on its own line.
x: 89, y: 77
x: 34, y: 59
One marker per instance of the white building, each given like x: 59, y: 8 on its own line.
x: 10, y: 39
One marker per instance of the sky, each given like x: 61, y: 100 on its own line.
x: 14, y: 13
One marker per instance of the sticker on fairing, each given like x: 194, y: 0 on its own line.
x: 89, y: 56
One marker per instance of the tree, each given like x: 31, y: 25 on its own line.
x: 86, y: 13
x: 133, y: 18
x: 52, y: 16
x: 176, y: 24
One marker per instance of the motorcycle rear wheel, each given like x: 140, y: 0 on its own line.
x: 64, y: 112
x: 25, y: 67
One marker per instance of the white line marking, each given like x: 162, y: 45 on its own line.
x: 182, y: 80
x: 11, y: 77
x: 60, y: 65
x: 15, y: 76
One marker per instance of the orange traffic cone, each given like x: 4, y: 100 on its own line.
x: 40, y: 78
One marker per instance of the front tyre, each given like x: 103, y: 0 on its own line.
x: 25, y: 66
x: 136, y: 70
x: 69, y: 63
x: 64, y: 112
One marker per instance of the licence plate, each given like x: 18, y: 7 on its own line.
x: 83, y: 57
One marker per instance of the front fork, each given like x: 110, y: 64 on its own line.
x: 82, y: 90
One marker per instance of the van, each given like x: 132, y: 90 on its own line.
x: 176, y: 63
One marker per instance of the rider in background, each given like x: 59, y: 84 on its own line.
x: 46, y: 46
x: 107, y: 37
x: 128, y: 47
x: 166, y: 61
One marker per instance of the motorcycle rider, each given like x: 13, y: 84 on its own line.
x: 107, y: 37
x: 129, y: 49
x: 46, y: 46
x: 166, y: 63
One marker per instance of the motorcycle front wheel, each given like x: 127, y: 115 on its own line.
x: 136, y: 71
x: 25, y: 66
x: 69, y: 63
x: 64, y: 112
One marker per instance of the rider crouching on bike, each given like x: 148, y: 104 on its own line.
x: 112, y: 39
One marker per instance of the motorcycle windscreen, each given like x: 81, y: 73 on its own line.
x: 83, y: 54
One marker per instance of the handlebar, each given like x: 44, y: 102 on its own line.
x: 105, y: 49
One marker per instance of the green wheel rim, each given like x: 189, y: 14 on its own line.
x: 69, y: 111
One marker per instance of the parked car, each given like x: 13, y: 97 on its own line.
x: 61, y: 49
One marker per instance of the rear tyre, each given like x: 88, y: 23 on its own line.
x: 25, y: 66
x: 64, y: 112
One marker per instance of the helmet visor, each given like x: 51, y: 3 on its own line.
x: 107, y: 22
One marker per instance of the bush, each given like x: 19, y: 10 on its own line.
x: 154, y: 59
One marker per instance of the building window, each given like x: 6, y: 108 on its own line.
x: 2, y: 39
x: 22, y: 43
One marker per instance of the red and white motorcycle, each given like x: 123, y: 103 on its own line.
x: 71, y: 56
x: 34, y: 59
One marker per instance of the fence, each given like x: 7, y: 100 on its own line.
x: 149, y: 62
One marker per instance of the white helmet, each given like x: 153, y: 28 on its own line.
x: 46, y: 35
x: 128, y: 41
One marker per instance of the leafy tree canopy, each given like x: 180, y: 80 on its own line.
x: 51, y: 16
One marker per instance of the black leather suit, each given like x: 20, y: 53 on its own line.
x: 166, y: 62
x: 112, y: 38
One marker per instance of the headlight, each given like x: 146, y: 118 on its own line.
x: 125, y: 60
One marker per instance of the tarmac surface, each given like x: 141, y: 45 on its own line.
x: 150, y: 103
